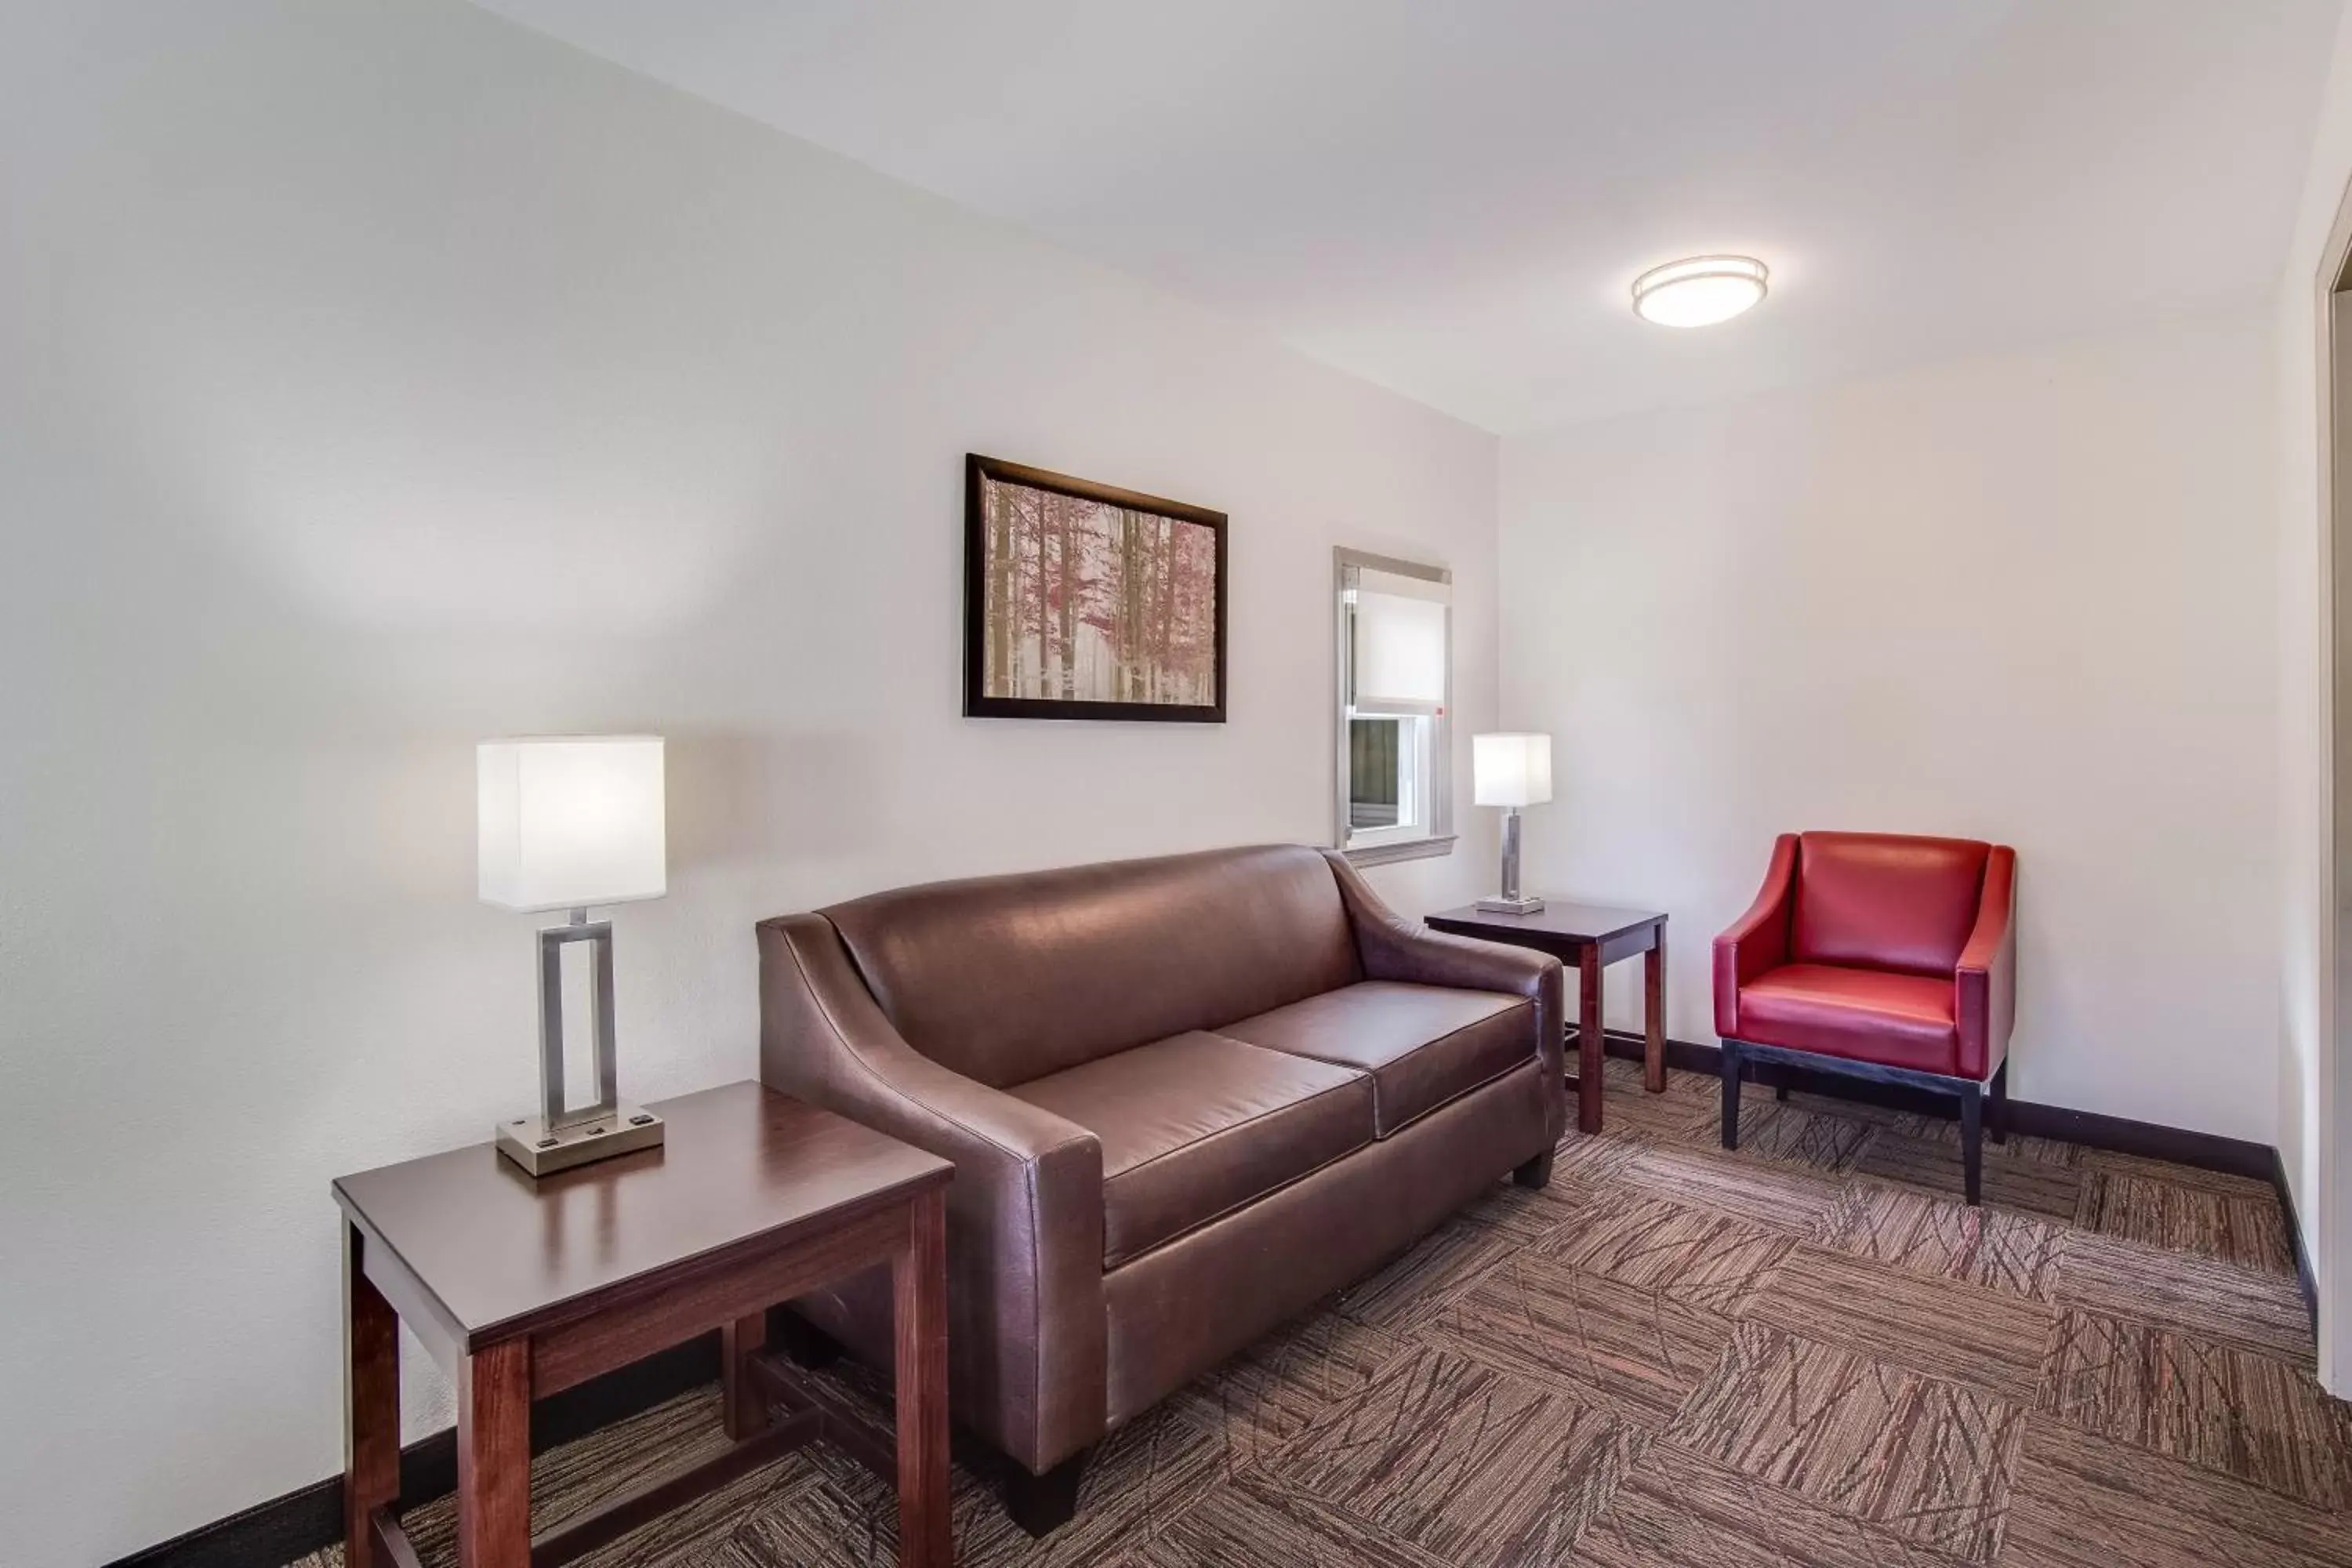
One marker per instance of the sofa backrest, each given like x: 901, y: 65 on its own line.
x: 1886, y: 900
x: 1005, y: 979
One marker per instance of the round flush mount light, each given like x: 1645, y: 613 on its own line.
x: 1700, y: 291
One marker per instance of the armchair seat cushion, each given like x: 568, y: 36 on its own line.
x: 1422, y: 1044
x: 1862, y: 1014
x: 1194, y: 1126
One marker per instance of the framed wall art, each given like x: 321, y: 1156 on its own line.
x: 1082, y: 601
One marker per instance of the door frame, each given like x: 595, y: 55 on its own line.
x: 2331, y: 287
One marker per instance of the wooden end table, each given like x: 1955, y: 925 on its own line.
x: 1587, y: 938
x: 522, y: 1288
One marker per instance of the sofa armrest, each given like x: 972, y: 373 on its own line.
x: 1024, y: 1211
x: 1390, y: 948
x: 1985, y: 1005
x: 1758, y: 939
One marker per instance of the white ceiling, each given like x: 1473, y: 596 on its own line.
x: 1450, y: 197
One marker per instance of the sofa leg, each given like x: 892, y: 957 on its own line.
x: 1536, y: 1175
x: 1043, y: 1504
x: 1997, y: 1113
x: 1730, y: 1094
x: 802, y: 1342
x: 1972, y: 1142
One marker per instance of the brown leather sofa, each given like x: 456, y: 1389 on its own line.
x: 1186, y: 1098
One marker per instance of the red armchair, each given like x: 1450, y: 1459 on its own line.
x: 1878, y: 956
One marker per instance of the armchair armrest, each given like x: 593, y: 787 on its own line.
x: 1390, y: 948
x: 1024, y: 1211
x: 1985, y: 1004
x: 1758, y: 939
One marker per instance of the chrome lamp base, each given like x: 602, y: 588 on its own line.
x: 1499, y: 906
x: 561, y: 1135
x: 1510, y: 901
x: 529, y: 1142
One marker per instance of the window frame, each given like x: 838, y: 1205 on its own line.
x: 1381, y: 845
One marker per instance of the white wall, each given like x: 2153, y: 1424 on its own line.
x: 2310, y: 1060
x: 377, y: 377
x: 2026, y: 598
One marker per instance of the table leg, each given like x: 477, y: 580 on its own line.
x: 371, y: 1404
x: 1588, y: 1039
x: 494, y: 1456
x: 1653, y: 1016
x: 919, y: 1273
x: 738, y: 1342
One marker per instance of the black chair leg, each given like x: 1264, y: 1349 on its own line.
x: 1043, y: 1504
x: 1780, y: 1094
x: 1972, y: 1141
x: 1730, y: 1094
x: 1536, y: 1175
x: 1997, y: 1113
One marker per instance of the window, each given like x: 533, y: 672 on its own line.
x: 1394, y: 796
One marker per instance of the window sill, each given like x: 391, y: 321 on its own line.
x: 1429, y: 848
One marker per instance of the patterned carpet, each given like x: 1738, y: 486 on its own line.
x: 1809, y: 1352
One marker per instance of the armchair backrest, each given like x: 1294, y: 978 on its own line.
x: 1886, y: 900
x: 1005, y: 979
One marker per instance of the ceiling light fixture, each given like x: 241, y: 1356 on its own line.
x: 1700, y: 291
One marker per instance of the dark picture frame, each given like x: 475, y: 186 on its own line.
x: 996, y: 652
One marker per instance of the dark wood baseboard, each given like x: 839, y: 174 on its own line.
x: 285, y: 1528
x: 304, y: 1520
x: 2115, y: 1134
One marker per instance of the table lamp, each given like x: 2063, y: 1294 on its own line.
x: 1510, y: 770
x: 572, y: 823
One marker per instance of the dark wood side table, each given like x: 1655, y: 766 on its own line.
x: 1588, y: 938
x: 522, y: 1288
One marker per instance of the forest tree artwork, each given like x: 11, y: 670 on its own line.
x: 1086, y: 602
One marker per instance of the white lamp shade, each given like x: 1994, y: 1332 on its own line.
x: 569, y: 822
x: 1510, y: 769
x: 1400, y: 643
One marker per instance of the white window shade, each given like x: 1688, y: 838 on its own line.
x: 1400, y: 643
x: 571, y: 822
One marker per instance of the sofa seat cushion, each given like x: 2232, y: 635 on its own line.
x: 1196, y: 1125
x: 1862, y: 1014
x: 1422, y: 1044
